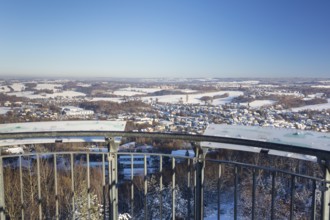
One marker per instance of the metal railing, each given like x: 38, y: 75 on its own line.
x: 143, y: 195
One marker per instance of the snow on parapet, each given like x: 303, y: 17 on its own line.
x: 299, y: 138
x: 53, y: 126
x: 50, y: 140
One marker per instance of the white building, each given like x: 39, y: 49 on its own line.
x: 75, y: 111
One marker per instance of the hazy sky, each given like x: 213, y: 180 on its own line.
x: 165, y: 38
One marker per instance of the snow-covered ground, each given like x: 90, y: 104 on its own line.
x: 226, y: 213
x: 324, y: 81
x: 252, y: 82
x: 313, y: 107
x: 174, y: 99
x: 4, y: 110
x: 321, y: 86
x: 313, y: 96
x: 236, y: 84
x: 84, y: 84
x: 223, y: 101
x: 267, y: 86
x: 17, y: 87
x: 183, y: 153
x: 226, y: 210
x: 127, y: 93
x: 30, y: 95
x: 142, y: 90
x: 145, y: 91
x: 118, y: 100
x: 260, y: 103
x: 187, y: 90
x: 249, y: 82
x: 4, y: 89
x: 296, y: 94
x: 50, y: 86
x: 15, y: 150
x: 195, y: 98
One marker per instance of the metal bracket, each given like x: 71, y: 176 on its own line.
x: 2, y: 191
x: 325, y: 192
x: 323, y: 187
x: 113, y: 145
x: 199, y: 164
x: 200, y: 151
x: 324, y: 163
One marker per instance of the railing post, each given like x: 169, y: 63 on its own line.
x: 199, y: 161
x: 326, y: 194
x: 113, y: 176
x: 2, y: 191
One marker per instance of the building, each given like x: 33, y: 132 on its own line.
x: 76, y: 112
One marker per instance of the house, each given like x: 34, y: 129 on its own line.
x: 76, y: 112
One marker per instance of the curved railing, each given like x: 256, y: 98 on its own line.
x: 165, y: 186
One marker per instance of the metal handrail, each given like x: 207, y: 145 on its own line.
x: 199, y: 162
x: 321, y: 154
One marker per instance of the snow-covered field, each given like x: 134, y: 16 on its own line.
x: 249, y: 82
x: 50, y: 86
x: 267, y: 86
x: 118, y: 100
x: 174, y: 99
x: 236, y: 84
x: 17, y: 87
x: 313, y: 96
x: 252, y: 82
x: 84, y: 85
x: 4, y: 89
x: 260, y: 103
x: 145, y: 91
x: 195, y: 98
x: 324, y: 81
x: 321, y: 86
x: 313, y: 107
x: 296, y: 94
x: 142, y: 90
x: 30, y: 95
x: 188, y: 90
x: 127, y: 93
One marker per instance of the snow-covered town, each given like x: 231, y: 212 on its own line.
x: 186, y: 106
